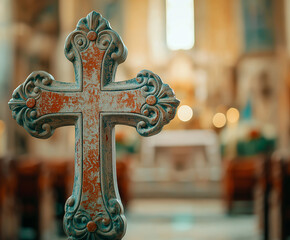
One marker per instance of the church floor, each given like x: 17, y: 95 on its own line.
x: 170, y: 219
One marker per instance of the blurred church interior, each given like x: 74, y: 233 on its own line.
x: 219, y: 170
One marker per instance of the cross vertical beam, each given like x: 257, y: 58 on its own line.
x: 94, y: 104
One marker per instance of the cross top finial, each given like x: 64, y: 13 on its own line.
x: 95, y: 28
x: 94, y: 104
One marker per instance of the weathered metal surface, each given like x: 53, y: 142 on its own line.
x: 94, y: 104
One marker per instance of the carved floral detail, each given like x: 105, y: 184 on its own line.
x: 108, y: 225
x: 95, y: 28
x: 94, y: 22
x: 160, y: 103
x: 24, y: 100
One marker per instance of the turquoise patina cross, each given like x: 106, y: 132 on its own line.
x: 94, y: 104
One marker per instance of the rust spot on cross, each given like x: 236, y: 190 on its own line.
x: 91, y: 226
x: 30, y: 102
x: 92, y: 35
x: 151, y: 100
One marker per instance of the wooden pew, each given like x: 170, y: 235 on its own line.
x: 279, y: 201
x: 29, y: 179
x: 60, y: 180
x: 239, y: 180
x: 262, y: 195
x: 2, y: 193
x: 123, y: 179
x: 272, y: 198
x: 28, y: 195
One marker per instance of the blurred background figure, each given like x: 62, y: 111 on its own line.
x: 220, y: 170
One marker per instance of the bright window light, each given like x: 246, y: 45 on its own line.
x: 180, y: 24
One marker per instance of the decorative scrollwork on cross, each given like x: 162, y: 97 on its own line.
x: 80, y: 225
x: 23, y: 104
x: 160, y: 103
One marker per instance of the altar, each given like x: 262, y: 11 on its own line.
x: 180, y: 156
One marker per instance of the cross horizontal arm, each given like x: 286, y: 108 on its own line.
x: 150, y: 103
x: 40, y: 95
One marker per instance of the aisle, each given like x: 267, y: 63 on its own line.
x: 162, y: 219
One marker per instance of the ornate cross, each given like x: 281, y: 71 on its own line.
x: 94, y: 104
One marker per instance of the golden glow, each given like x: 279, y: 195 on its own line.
x: 180, y: 24
x: 184, y: 113
x: 2, y: 127
x: 219, y: 120
x: 233, y: 115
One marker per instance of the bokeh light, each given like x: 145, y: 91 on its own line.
x: 219, y: 120
x: 185, y: 113
x: 233, y: 115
